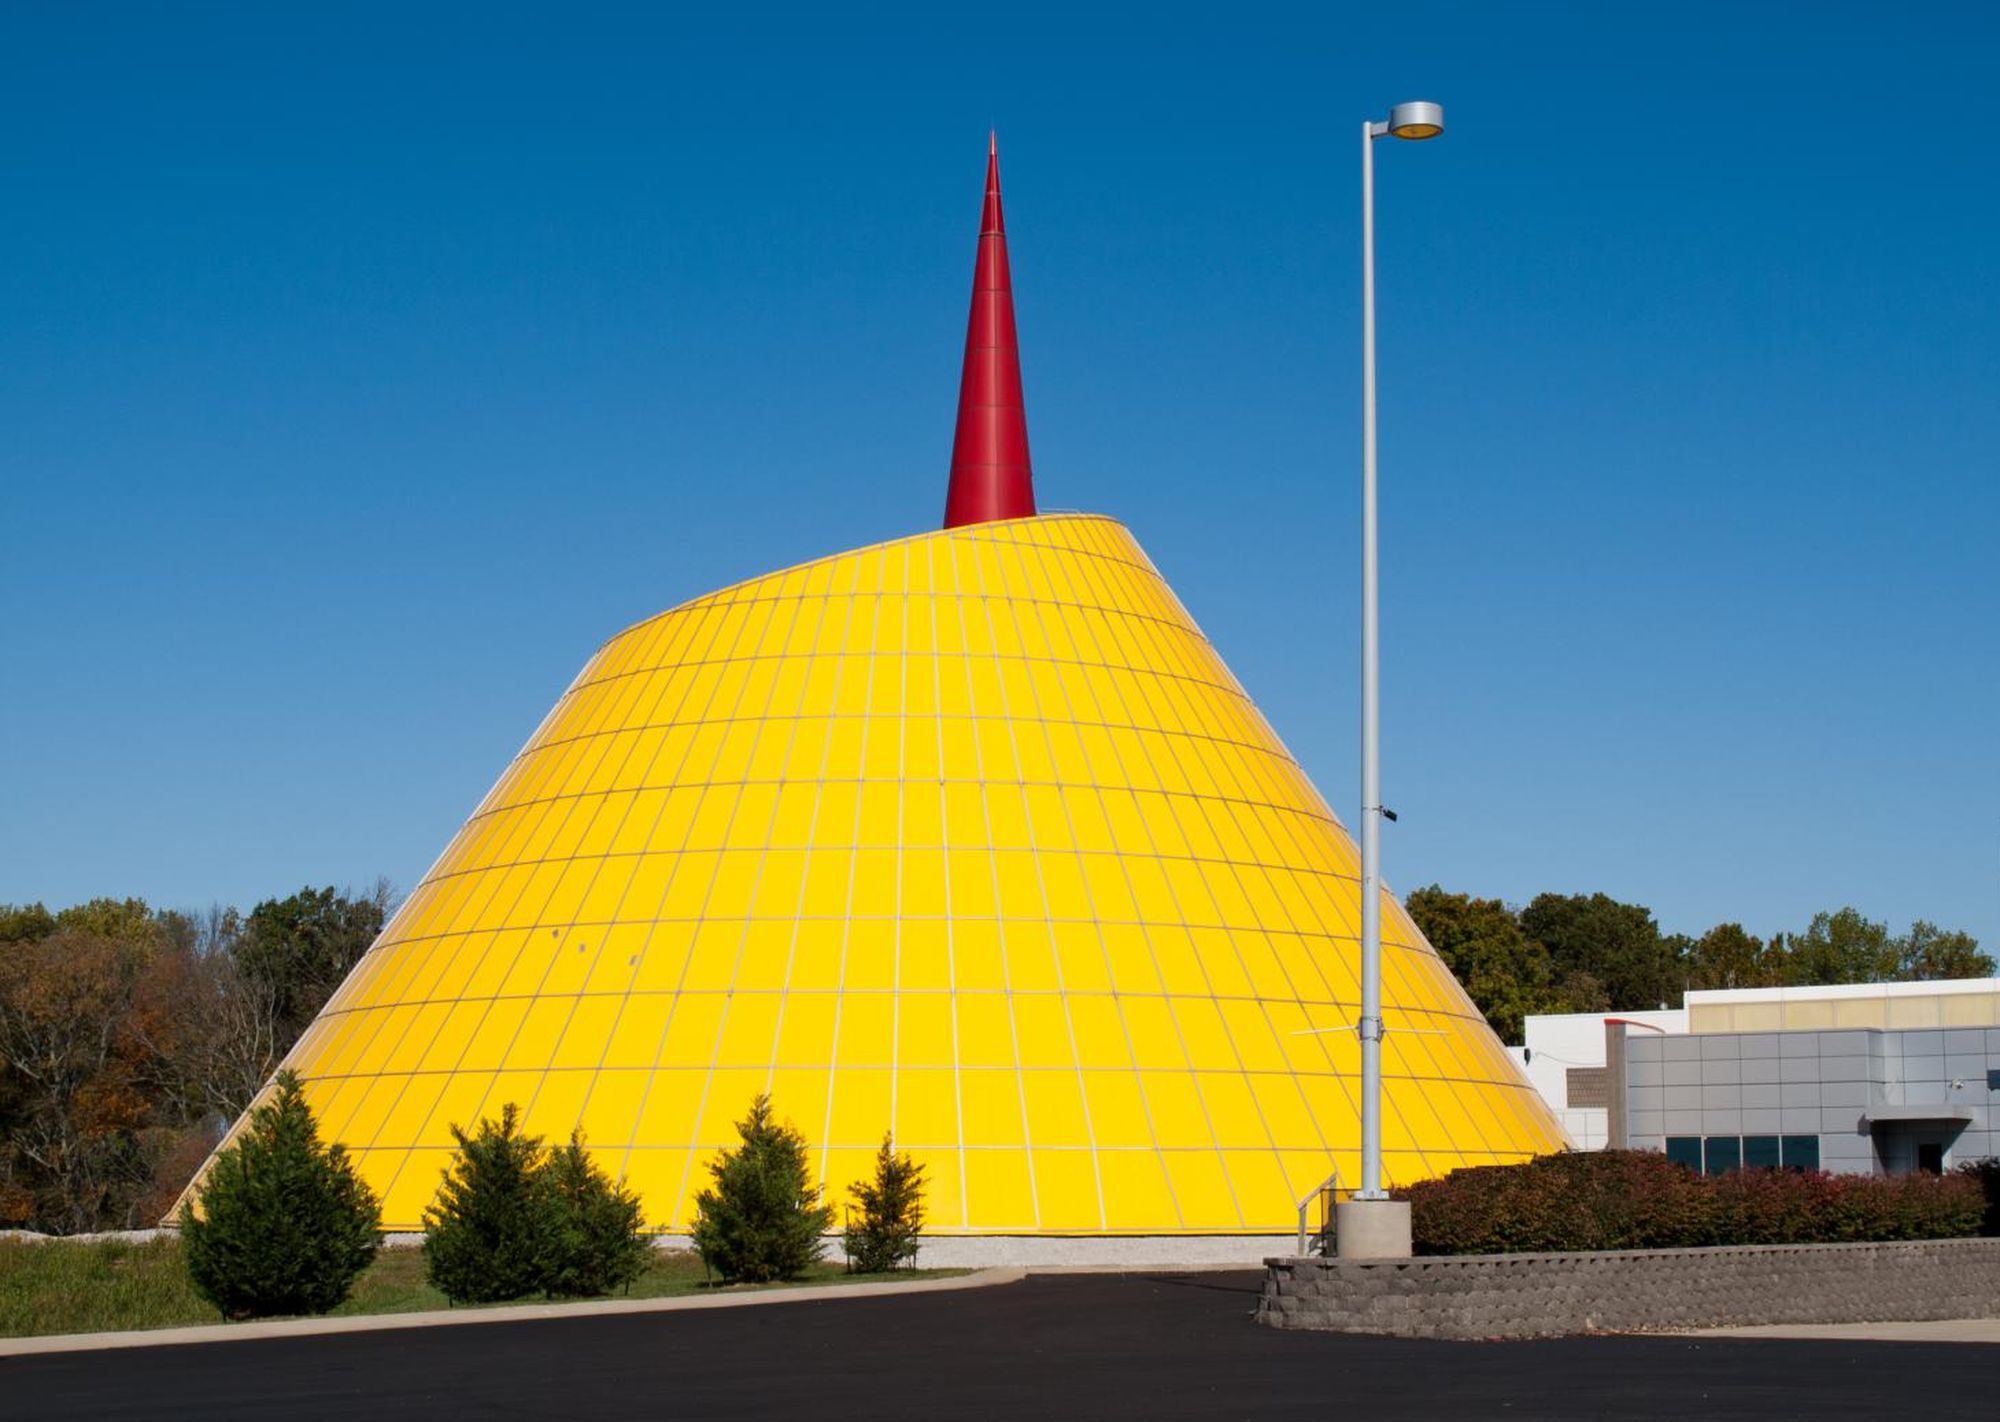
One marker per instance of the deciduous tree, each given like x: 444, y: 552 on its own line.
x: 1928, y: 953
x: 1506, y: 974
x: 1616, y: 943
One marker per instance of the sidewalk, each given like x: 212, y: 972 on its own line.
x: 1944, y: 1330
x: 512, y: 1313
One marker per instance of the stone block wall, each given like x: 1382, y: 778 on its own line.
x: 1536, y: 1295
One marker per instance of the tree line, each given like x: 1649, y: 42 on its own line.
x: 130, y: 1037
x: 1592, y: 953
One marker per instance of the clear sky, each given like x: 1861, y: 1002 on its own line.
x: 362, y: 369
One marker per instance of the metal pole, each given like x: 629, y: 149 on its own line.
x: 1371, y: 767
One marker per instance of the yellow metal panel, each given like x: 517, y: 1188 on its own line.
x: 883, y: 833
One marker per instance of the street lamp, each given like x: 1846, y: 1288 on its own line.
x: 1410, y: 121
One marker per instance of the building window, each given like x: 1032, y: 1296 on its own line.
x: 1717, y: 1155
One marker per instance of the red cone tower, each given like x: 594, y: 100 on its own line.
x: 990, y: 475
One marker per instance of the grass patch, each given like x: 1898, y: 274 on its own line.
x: 110, y: 1285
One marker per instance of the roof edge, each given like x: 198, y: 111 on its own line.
x: 965, y: 530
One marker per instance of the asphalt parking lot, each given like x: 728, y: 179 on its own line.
x: 1070, y: 1346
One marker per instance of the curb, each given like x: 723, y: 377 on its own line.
x: 512, y: 1313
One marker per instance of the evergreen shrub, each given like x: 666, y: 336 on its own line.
x: 891, y: 1206
x: 284, y: 1225
x: 513, y: 1218
x: 485, y: 1236
x: 592, y: 1242
x: 762, y: 1220
x: 1628, y: 1199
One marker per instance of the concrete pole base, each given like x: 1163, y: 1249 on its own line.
x: 1372, y: 1229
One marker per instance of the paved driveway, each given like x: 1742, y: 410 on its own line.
x: 1074, y: 1346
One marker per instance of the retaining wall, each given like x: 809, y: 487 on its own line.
x: 1534, y: 1295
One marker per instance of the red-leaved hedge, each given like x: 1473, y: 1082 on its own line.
x: 1634, y: 1199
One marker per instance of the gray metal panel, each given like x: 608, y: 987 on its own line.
x: 1799, y: 1093
x: 1646, y: 1123
x: 1643, y: 1048
x: 1856, y: 1066
x: 1652, y: 1143
x: 1965, y: 1039
x: 1721, y: 1072
x: 1843, y: 1093
x: 1968, y: 1067
x: 1761, y: 1094
x: 1799, y: 1120
x: 1724, y: 1122
x: 1759, y: 1044
x: 1644, y: 1074
x: 1993, y: 1040
x: 1760, y: 1068
x: 1683, y: 1073
x: 1799, y: 1069
x: 1920, y: 1044
x: 1680, y: 1049
x: 1688, y: 1123
x: 1646, y: 1098
x: 1683, y: 1098
x: 1924, y: 1068
x: 1799, y: 1044
x: 1715, y: 1097
x: 1760, y: 1122
x: 1843, y: 1044
x: 1834, y: 1119
x: 1720, y: 1048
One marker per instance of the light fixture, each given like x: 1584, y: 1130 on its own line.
x: 1416, y: 120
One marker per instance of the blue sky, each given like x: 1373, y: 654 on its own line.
x: 361, y: 371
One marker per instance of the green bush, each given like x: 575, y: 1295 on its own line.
x: 485, y: 1236
x: 762, y: 1220
x: 892, y: 1214
x: 512, y: 1219
x: 1987, y: 1173
x: 592, y: 1242
x: 284, y: 1226
x: 1641, y: 1200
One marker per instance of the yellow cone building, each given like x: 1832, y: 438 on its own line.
x: 970, y: 837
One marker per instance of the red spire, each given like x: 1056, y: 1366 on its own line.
x: 990, y: 477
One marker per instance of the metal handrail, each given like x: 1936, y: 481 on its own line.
x: 1332, y: 1182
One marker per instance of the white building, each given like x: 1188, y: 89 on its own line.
x: 1564, y: 1058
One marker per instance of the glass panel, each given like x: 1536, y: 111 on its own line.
x: 1760, y: 1151
x: 1801, y: 1152
x: 1686, y: 1150
x: 1723, y: 1154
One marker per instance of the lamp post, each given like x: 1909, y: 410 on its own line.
x: 1408, y: 121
